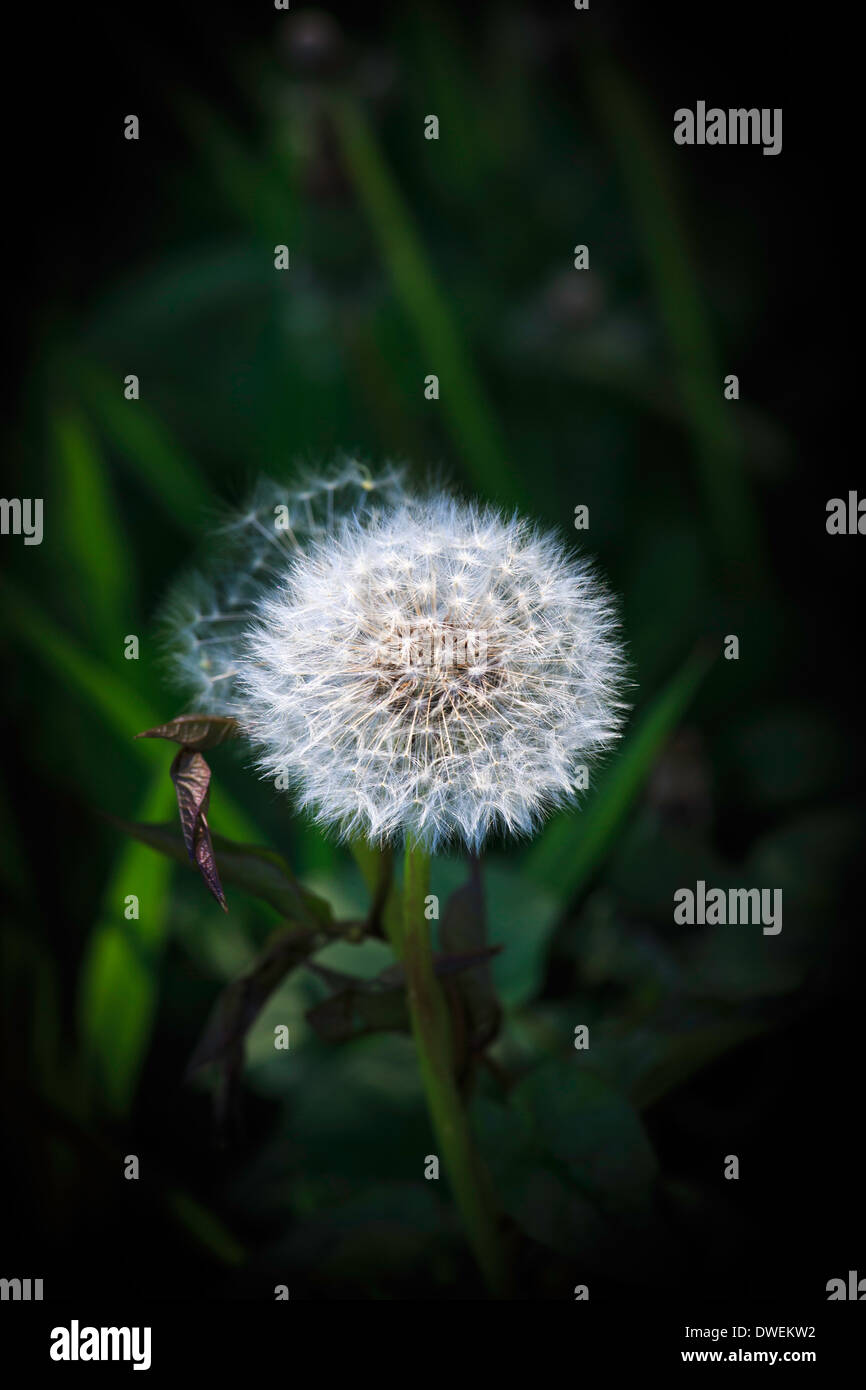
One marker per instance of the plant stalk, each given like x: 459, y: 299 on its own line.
x: 431, y: 1028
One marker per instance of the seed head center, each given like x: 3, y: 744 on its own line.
x: 434, y: 666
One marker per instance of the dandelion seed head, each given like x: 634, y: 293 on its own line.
x: 208, y: 611
x: 430, y: 669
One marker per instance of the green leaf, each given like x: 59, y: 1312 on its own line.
x: 352, y: 1113
x: 587, y: 1126
x: 537, y: 1197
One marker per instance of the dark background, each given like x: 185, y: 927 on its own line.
x: 769, y: 748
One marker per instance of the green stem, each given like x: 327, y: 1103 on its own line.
x: 431, y: 1028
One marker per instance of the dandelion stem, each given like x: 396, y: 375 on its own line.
x: 431, y: 1028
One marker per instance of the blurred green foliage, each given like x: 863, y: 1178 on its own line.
x: 558, y: 387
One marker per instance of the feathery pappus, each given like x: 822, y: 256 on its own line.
x: 410, y: 666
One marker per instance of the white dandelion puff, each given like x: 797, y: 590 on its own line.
x: 208, y: 612
x: 434, y: 671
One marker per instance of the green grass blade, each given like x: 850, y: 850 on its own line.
x: 717, y: 438
x: 574, y: 845
x: 123, y: 709
x: 205, y: 1227
x: 120, y: 971
x: 249, y: 184
x: 472, y: 423
x: 145, y: 446
x: 91, y: 526
x: 447, y: 82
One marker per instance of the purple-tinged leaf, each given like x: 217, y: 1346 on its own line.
x: 206, y: 861
x: 240, y: 1003
x: 196, y: 731
x: 351, y: 1012
x: 191, y: 776
x: 463, y: 929
x: 366, y: 1006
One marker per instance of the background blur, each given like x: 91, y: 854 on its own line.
x: 558, y: 387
